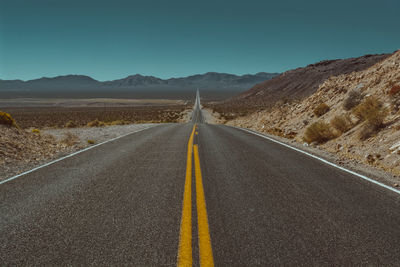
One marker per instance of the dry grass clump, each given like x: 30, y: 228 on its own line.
x: 70, y: 124
x: 318, y: 132
x: 96, y: 123
x: 35, y: 131
x: 371, y: 111
x: 353, y: 99
x: 341, y: 123
x: 6, y: 119
x: 321, y: 109
x: 70, y: 139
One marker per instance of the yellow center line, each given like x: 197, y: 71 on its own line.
x: 185, y: 241
x: 206, y: 255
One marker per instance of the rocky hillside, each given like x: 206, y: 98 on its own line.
x: 302, y: 82
x: 354, y: 116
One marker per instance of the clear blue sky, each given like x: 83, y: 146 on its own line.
x: 169, y: 38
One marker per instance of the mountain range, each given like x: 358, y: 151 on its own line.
x: 134, y: 84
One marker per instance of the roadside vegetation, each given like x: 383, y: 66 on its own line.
x: 318, y: 132
x: 321, y: 109
x: 341, y: 123
x: 6, y: 119
x: 353, y: 99
x: 372, y: 113
x: 73, y: 117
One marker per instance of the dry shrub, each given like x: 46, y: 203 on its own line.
x: 321, y: 109
x: 371, y: 111
x: 319, y: 132
x: 341, y: 123
x: 70, y: 139
x: 36, y: 131
x: 353, y: 99
x: 70, y: 124
x: 96, y: 123
x: 6, y: 119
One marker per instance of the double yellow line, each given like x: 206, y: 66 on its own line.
x: 185, y: 257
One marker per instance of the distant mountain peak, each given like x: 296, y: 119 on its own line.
x: 209, y: 81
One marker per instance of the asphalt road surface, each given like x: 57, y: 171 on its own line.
x: 196, y: 193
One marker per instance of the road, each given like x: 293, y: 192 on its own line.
x: 195, y: 192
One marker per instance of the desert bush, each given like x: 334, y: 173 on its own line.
x: 321, y: 109
x: 70, y: 139
x: 96, y: 123
x: 36, y: 131
x: 70, y: 124
x: 371, y: 111
x: 6, y: 119
x: 319, y: 132
x: 341, y: 123
x: 367, y: 130
x: 353, y: 99
x: 90, y: 142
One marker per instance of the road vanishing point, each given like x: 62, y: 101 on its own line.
x: 196, y: 194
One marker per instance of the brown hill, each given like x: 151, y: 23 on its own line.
x: 302, y: 82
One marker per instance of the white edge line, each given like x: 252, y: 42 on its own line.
x: 72, y: 154
x: 323, y: 160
